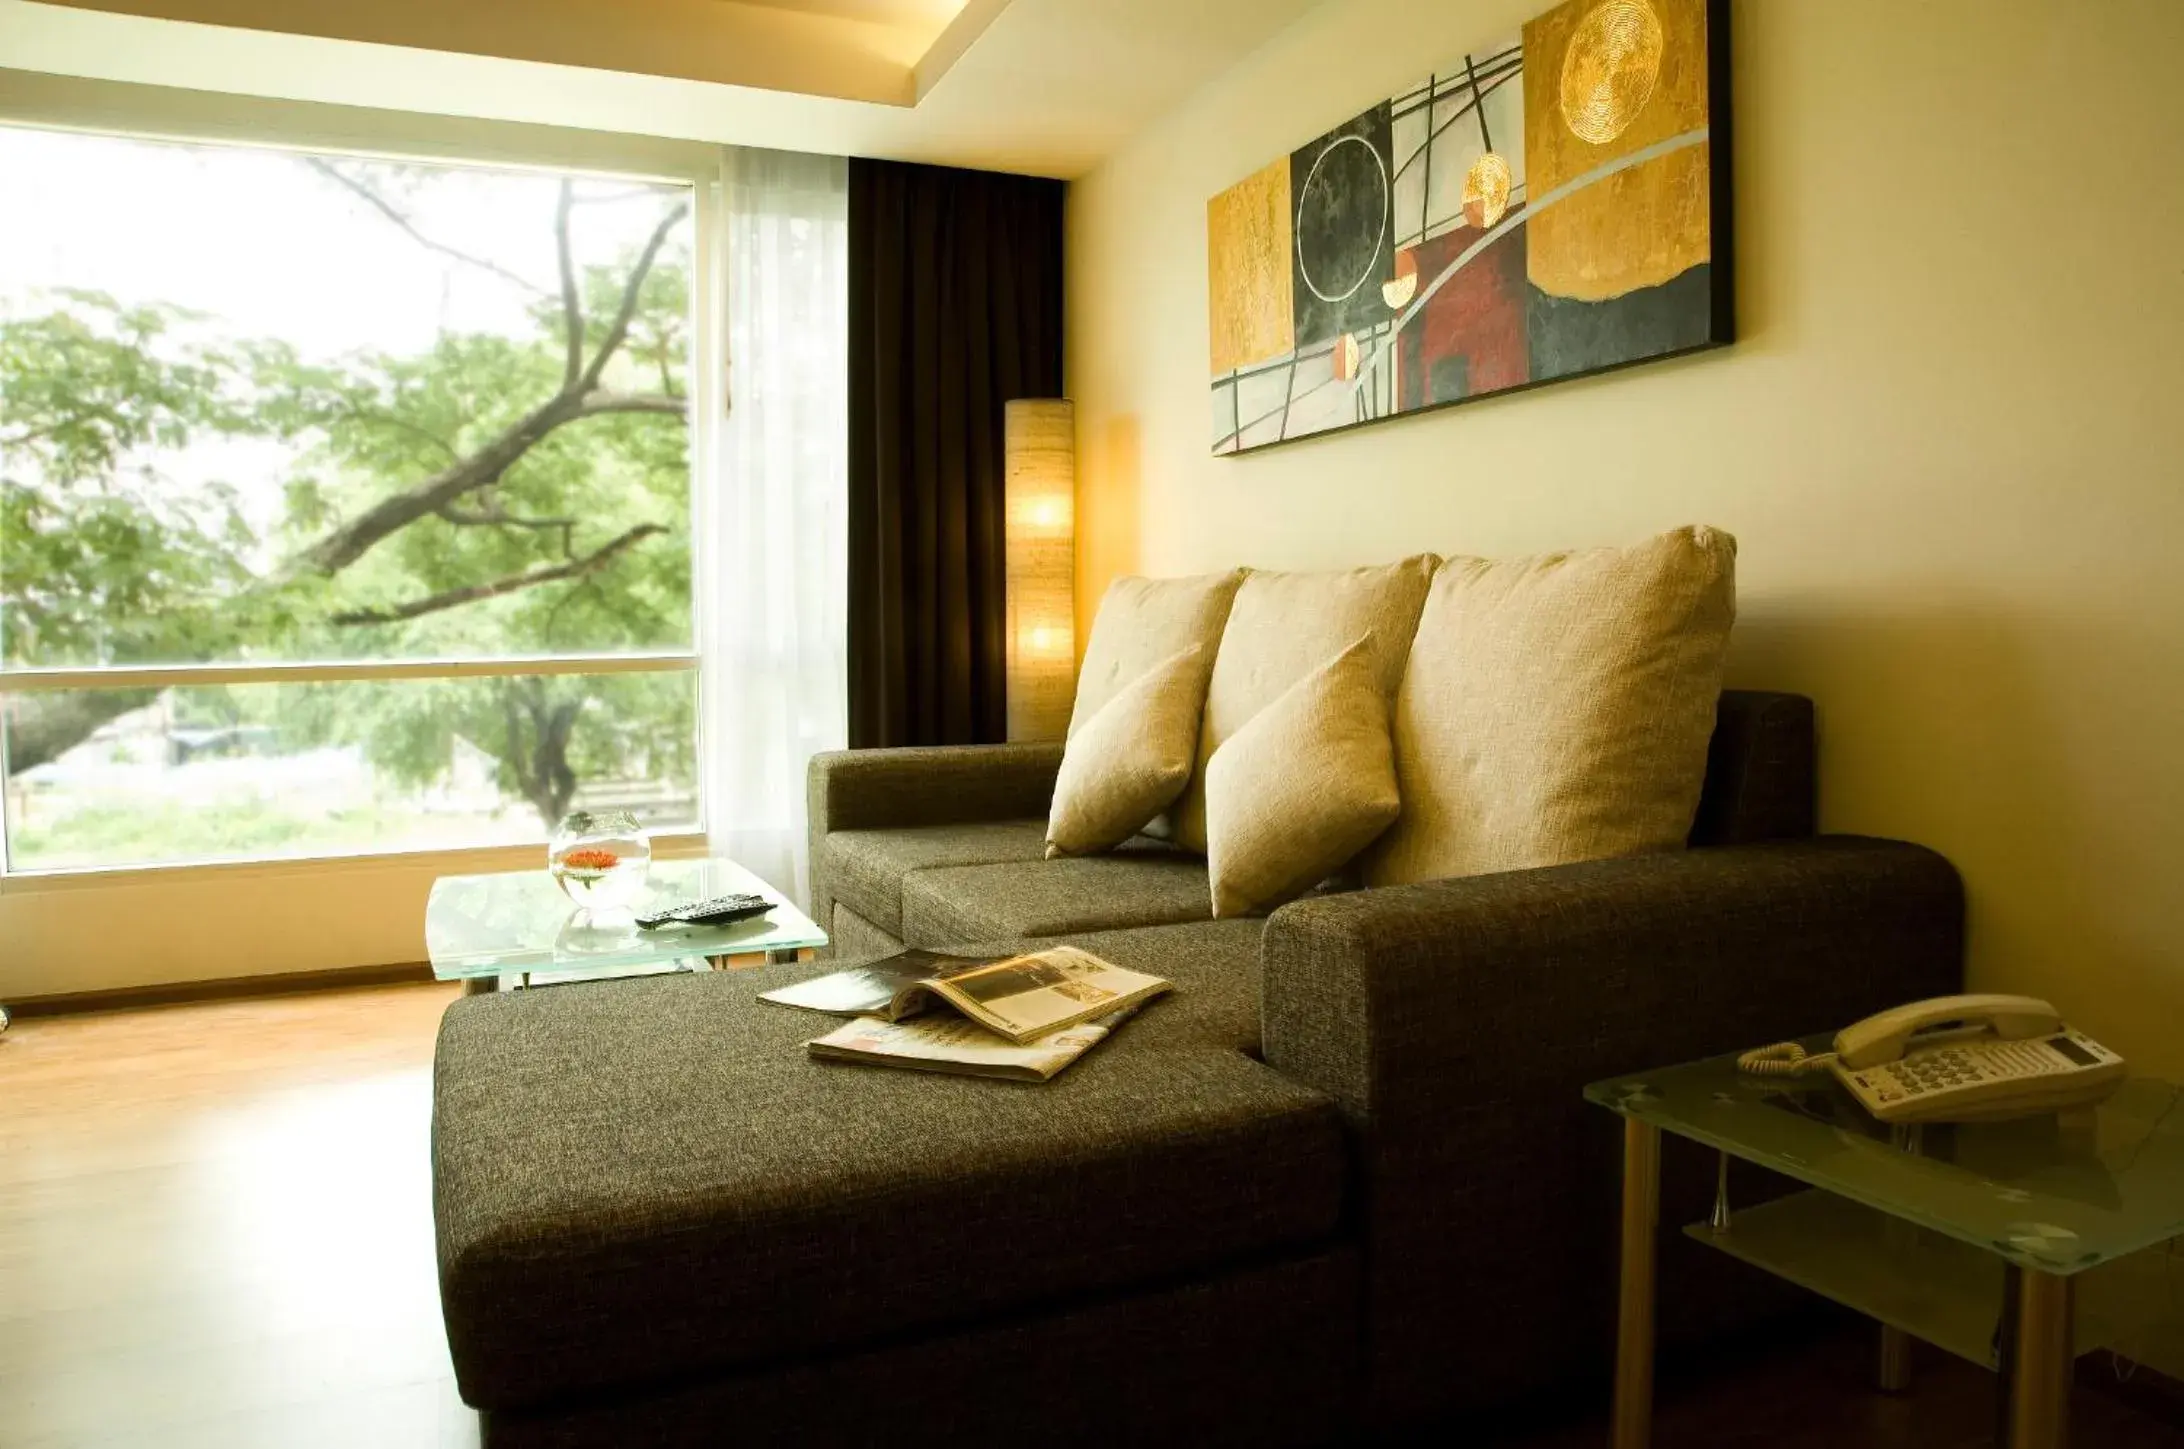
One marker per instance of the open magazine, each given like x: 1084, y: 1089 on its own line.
x: 952, y: 1044
x: 870, y: 990
x: 1023, y: 998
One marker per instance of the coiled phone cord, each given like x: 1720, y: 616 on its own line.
x: 1784, y: 1059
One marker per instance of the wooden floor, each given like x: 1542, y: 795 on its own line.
x: 215, y: 1230
x: 1820, y: 1395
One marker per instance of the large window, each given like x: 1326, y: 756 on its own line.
x: 345, y: 504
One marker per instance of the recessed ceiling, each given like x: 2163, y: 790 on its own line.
x: 929, y: 13
x: 1046, y: 87
x: 805, y: 47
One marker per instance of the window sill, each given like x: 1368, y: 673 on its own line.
x: 466, y: 860
x: 65, y: 934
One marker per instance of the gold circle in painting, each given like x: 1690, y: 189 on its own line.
x: 1486, y: 190
x: 1610, y: 69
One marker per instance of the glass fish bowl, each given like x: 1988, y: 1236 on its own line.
x: 600, y: 859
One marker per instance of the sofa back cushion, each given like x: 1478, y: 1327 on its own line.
x: 1558, y: 708
x: 1282, y: 627
x: 1145, y: 622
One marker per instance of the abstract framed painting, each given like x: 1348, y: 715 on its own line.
x: 1549, y: 206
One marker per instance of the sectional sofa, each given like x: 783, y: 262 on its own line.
x: 1339, y: 1185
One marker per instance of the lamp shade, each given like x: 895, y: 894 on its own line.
x: 1040, y: 443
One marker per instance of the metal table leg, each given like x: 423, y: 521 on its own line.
x: 1634, y: 1312
x: 1892, y: 1364
x: 2040, y: 1370
x: 1892, y: 1370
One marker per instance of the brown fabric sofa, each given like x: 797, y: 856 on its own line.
x: 1340, y: 1183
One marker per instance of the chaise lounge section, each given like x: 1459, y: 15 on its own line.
x: 1341, y: 1182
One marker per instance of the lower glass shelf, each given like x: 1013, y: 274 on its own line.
x: 576, y: 976
x: 1937, y: 1289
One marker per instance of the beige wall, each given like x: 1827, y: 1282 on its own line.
x: 1951, y: 441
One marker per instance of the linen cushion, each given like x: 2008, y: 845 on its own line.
x: 1558, y: 708
x: 650, y: 1181
x: 1143, y: 622
x: 1302, y: 787
x: 1281, y: 628
x: 1131, y: 759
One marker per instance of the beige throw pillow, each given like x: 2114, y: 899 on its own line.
x: 1305, y: 785
x: 1130, y: 760
x: 1284, y: 626
x: 1559, y: 709
x: 1144, y: 622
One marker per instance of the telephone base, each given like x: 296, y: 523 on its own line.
x: 1986, y: 1081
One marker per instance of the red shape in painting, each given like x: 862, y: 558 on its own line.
x: 1346, y: 358
x: 1471, y: 337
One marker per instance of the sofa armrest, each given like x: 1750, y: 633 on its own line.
x: 1456, y: 1023
x: 947, y: 785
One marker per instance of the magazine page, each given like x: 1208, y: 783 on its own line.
x: 952, y: 1044
x: 880, y: 988
x: 1027, y: 997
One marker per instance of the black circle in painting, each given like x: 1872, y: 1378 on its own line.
x: 1342, y: 219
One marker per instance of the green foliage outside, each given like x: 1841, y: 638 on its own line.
x: 492, y: 495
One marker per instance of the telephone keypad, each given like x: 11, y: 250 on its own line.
x: 1938, y: 1071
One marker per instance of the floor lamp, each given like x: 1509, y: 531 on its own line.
x: 1040, y: 452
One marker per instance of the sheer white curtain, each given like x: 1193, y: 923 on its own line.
x: 773, y: 567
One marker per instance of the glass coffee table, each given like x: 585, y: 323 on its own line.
x: 2015, y: 1245
x: 517, y: 929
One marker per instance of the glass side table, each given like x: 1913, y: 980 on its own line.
x: 515, y: 929
x: 1992, y: 1241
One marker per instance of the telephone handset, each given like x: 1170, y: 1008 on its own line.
x: 1958, y: 1059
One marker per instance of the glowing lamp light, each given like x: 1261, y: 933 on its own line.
x: 1039, y: 446
x: 1047, y: 514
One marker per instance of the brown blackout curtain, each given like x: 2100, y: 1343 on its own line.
x: 955, y: 308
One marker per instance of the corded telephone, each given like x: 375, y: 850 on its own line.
x: 1958, y: 1059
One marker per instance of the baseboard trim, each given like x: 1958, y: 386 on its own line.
x: 180, y: 993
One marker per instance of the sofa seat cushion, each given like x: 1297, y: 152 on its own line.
x: 853, y: 938
x: 1144, y: 883
x: 1214, y: 964
x: 643, y: 1181
x: 866, y: 868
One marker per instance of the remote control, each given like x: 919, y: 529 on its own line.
x: 718, y: 911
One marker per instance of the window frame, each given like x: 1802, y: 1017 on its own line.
x: 153, y: 113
